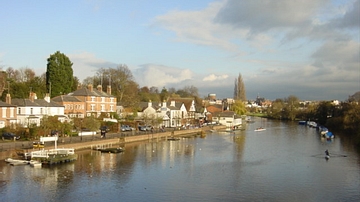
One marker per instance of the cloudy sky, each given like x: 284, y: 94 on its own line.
x: 306, y: 48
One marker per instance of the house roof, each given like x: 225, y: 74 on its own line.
x: 87, y: 92
x: 157, y: 105
x: 214, y: 108
x: 20, y: 102
x: 224, y: 114
x: 65, y: 98
x: 44, y: 103
x: 4, y: 104
x: 187, y: 102
x: 37, y: 103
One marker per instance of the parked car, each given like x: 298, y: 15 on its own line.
x: 123, y: 128
x: 142, y: 128
x: 10, y: 136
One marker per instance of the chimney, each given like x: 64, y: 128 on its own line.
x: 164, y: 103
x: 108, y: 90
x: 90, y: 87
x: 78, y: 86
x: 47, y: 97
x: 8, y: 98
x: 32, y: 96
x: 99, y: 88
x: 172, y: 103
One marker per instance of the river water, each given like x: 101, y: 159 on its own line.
x: 283, y: 163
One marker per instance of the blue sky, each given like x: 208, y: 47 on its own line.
x: 306, y: 48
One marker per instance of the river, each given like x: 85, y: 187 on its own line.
x: 283, y: 163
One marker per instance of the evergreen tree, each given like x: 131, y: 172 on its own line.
x: 59, y: 74
x: 239, y: 90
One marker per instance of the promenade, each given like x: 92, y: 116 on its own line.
x: 9, y: 148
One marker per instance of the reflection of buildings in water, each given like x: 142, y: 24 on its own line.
x: 107, y: 161
x: 50, y: 177
x: 168, y: 151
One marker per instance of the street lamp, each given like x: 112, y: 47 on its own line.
x: 81, y: 129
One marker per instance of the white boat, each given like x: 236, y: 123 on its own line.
x: 259, y: 129
x: 16, y: 161
x: 35, y: 164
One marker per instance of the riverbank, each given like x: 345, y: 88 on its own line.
x: 111, y: 139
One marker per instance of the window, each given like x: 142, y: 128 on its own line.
x: 92, y: 107
x: 31, y: 111
x: 102, y: 99
x: 4, y: 112
x: 92, y: 99
x: 19, y: 110
x: 12, y: 110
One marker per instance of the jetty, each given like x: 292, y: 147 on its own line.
x: 53, y: 156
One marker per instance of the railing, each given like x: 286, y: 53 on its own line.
x: 46, y: 153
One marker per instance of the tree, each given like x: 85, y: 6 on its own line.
x: 352, y: 118
x: 59, y: 74
x: 239, y: 89
x: 2, y: 81
x: 122, y: 82
x: 238, y: 107
x: 323, y: 111
x: 164, y: 94
x: 292, y: 107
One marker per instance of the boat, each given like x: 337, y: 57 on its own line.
x: 329, y: 135
x: 16, y: 161
x: 312, y: 124
x: 323, y: 130
x: 302, y: 122
x: 54, y: 156
x: 327, y: 155
x: 173, y: 139
x: 111, y: 150
x: 260, y: 129
x: 35, y: 164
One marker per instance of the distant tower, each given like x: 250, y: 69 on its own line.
x: 212, y: 96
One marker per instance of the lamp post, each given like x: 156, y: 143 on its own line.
x: 81, y: 129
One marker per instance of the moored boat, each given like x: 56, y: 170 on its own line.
x: 16, y: 161
x: 35, y: 164
x: 329, y: 135
x: 259, y: 129
x: 54, y: 156
x: 111, y: 150
x: 312, y: 124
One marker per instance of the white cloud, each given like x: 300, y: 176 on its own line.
x: 213, y: 77
x: 160, y: 75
